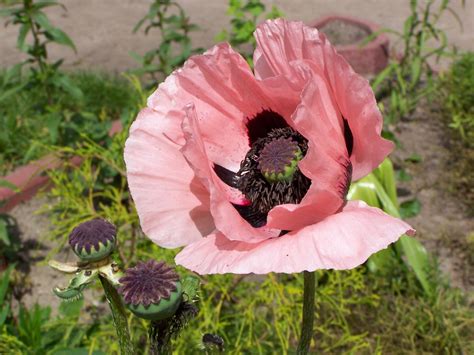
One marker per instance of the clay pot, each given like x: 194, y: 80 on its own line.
x: 347, y: 35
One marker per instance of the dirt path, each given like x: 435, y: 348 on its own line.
x: 102, y: 29
x: 34, y: 275
x: 443, y: 224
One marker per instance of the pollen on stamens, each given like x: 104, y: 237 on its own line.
x: 278, y: 159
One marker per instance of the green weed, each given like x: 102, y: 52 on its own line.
x: 458, y: 87
x: 245, y: 15
x: 28, y: 123
x: 174, y: 26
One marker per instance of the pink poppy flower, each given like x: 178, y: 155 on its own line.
x: 250, y: 171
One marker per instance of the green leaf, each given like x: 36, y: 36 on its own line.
x: 417, y: 258
x: 381, y: 77
x: 415, y: 254
x: 402, y: 175
x: 364, y: 191
x: 12, y: 91
x: 43, y: 3
x: 54, y: 33
x: 414, y: 158
x: 4, y: 314
x: 4, y: 236
x: 191, y: 286
x: 385, y: 174
x: 139, y: 24
x: 381, y: 261
x: 5, y: 282
x: 7, y: 184
x: 62, y: 38
x: 52, y: 121
x: 20, y: 43
x: 410, y: 208
x: 77, y: 351
x: 71, y: 309
x: 416, y: 70
x: 41, y: 19
x: 67, y: 85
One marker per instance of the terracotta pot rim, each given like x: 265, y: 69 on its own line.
x: 380, y: 40
x: 30, y: 178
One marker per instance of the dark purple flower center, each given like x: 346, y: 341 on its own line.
x: 89, y: 234
x: 275, y: 148
x: 147, y: 283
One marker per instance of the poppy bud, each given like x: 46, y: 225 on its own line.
x: 93, y: 240
x: 151, y: 290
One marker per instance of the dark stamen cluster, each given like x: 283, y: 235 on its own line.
x: 272, y: 145
x: 89, y: 234
x: 147, y: 283
x: 263, y: 194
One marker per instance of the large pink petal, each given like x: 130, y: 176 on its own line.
x: 172, y: 204
x: 225, y: 94
x: 281, y: 43
x: 341, y: 241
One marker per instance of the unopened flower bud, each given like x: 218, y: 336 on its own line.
x: 93, y: 240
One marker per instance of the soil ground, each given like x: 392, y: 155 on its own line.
x: 443, y: 224
x: 102, y: 29
x: 102, y: 33
x: 34, y: 278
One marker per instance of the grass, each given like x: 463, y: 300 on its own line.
x: 29, y: 123
x: 458, y: 99
x: 356, y: 312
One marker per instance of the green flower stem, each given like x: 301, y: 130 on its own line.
x: 119, y: 315
x: 308, y: 313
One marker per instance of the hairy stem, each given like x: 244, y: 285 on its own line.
x: 119, y: 315
x: 160, y: 337
x: 308, y: 313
